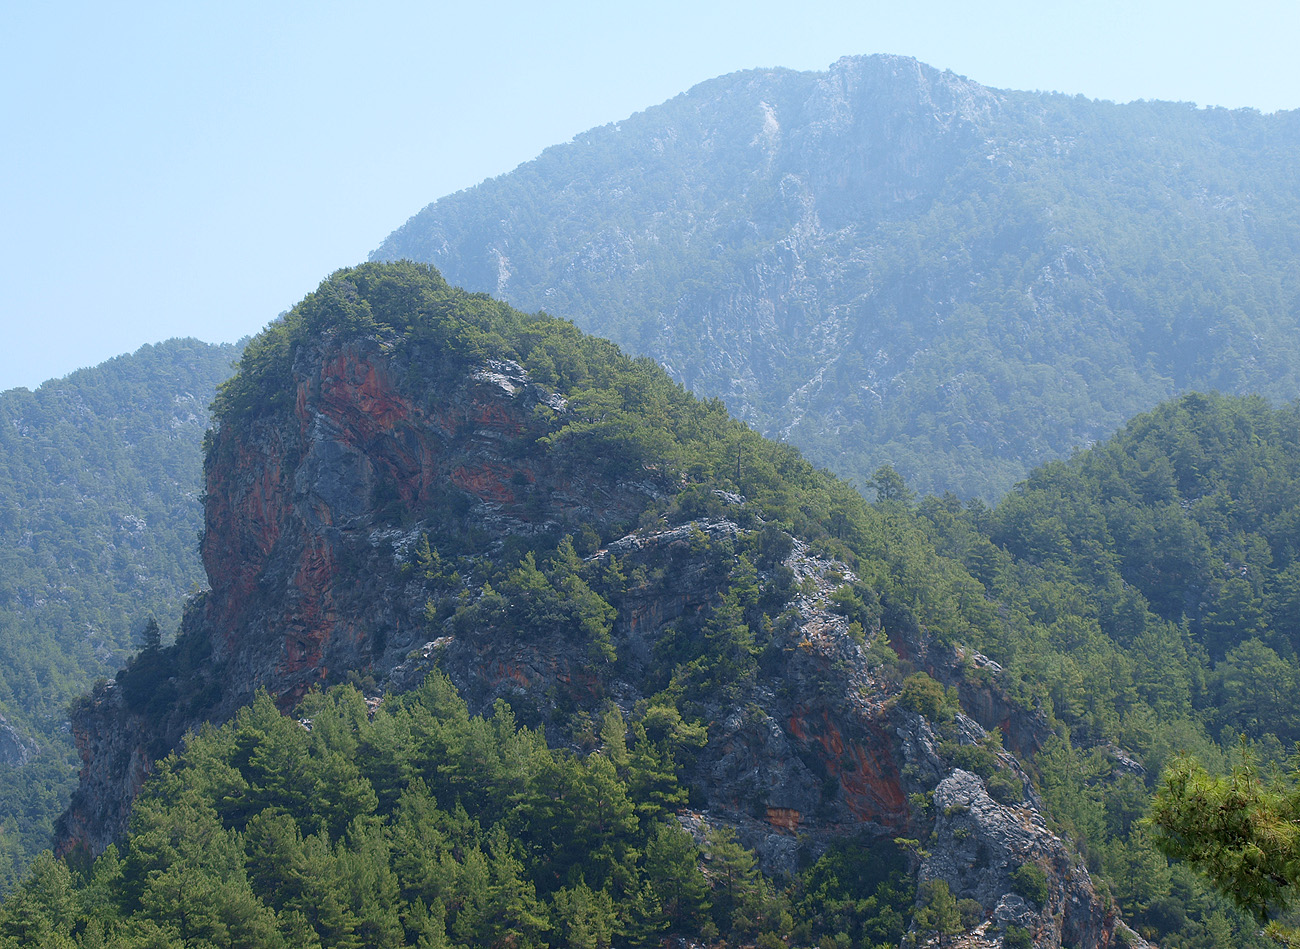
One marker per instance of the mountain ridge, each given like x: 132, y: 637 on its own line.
x: 99, y: 491
x: 887, y: 263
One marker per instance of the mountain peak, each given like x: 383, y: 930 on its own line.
x: 888, y: 263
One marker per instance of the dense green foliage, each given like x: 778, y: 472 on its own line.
x: 1147, y: 589
x: 885, y: 263
x: 99, y: 511
x: 418, y: 825
x: 1184, y: 528
x: 1244, y: 836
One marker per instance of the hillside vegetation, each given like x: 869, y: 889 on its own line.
x: 420, y: 825
x: 1153, y: 584
x: 509, y: 842
x: 99, y: 515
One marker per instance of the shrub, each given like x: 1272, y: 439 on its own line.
x: 1017, y: 937
x: 1030, y: 881
x: 926, y: 697
x: 1005, y: 788
x: 973, y: 758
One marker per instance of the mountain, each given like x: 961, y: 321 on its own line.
x: 885, y: 263
x: 444, y: 509
x: 99, y: 511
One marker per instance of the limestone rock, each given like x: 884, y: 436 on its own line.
x: 15, y: 751
x: 976, y: 846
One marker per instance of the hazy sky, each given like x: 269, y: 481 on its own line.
x: 192, y: 169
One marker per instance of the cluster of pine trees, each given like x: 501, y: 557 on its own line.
x: 1147, y: 588
x: 416, y: 824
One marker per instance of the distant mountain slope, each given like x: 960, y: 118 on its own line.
x: 885, y: 262
x: 99, y: 523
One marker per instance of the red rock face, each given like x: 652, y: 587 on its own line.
x: 867, y: 771
x: 784, y: 818
x: 358, y: 395
x: 488, y: 481
x: 294, y: 498
x: 245, y: 513
x: 283, y: 497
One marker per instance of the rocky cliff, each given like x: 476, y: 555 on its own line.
x: 310, y: 516
x: 327, y: 506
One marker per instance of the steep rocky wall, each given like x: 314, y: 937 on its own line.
x: 311, y: 514
x: 978, y: 843
x: 117, y: 753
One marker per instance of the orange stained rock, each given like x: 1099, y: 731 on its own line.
x: 867, y: 772
x: 497, y: 416
x: 244, y: 523
x: 784, y: 818
x: 358, y: 395
x: 490, y: 481
x: 501, y: 671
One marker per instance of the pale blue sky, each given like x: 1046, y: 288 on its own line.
x: 192, y: 169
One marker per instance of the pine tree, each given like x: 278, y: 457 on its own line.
x: 1243, y: 836
x: 938, y: 912
x: 151, y: 637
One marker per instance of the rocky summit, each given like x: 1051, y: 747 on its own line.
x: 405, y: 478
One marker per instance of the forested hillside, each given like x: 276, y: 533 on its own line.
x: 99, y: 520
x: 883, y: 263
x: 419, y: 825
x: 1183, y: 527
x: 1153, y: 585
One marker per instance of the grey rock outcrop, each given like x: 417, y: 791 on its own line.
x: 978, y: 844
x: 15, y: 751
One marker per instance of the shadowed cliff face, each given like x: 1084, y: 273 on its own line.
x: 14, y: 750
x: 314, y: 515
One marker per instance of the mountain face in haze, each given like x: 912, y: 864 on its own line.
x: 99, y: 510
x: 888, y: 263
x: 404, y: 478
